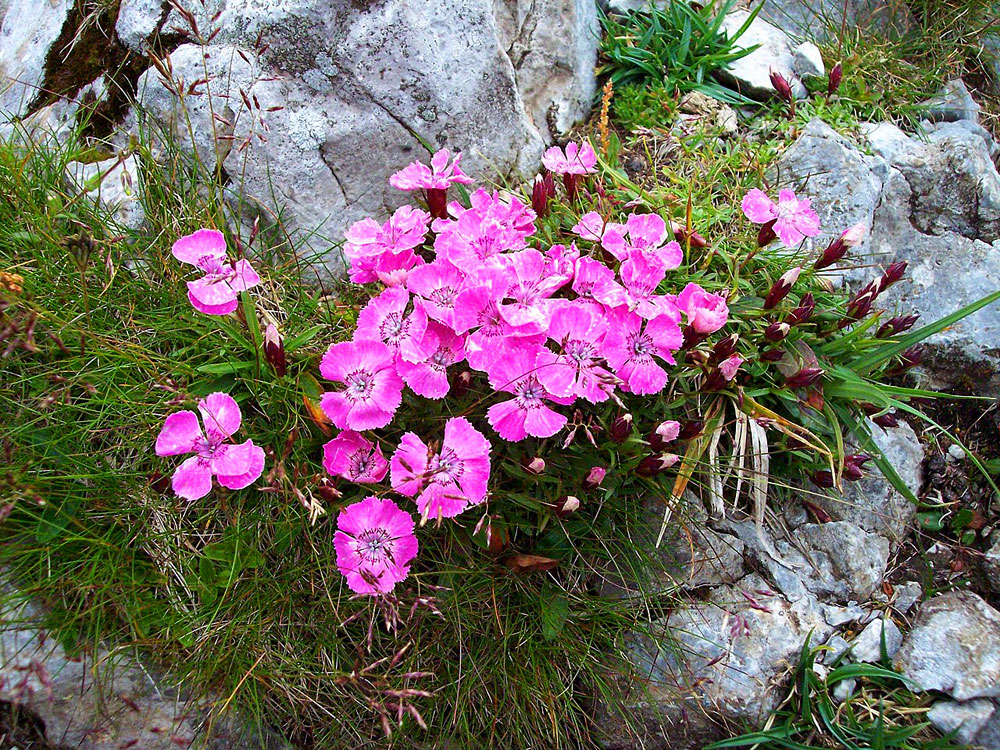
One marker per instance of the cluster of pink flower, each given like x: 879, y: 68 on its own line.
x: 545, y: 326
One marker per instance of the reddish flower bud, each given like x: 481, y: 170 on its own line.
x: 766, y: 235
x: 892, y: 274
x: 461, y: 383
x: 804, y: 377
x: 772, y: 355
x: 692, y: 337
x: 885, y: 421
x: 690, y: 429
x: 896, y: 326
x: 781, y: 86
x: 776, y: 331
x: 696, y: 357
x: 838, y: 248
x: 594, y: 478
x: 656, y: 463
x: 566, y: 505
x: 542, y: 192
x: 908, y: 359
x: 833, y: 81
x: 822, y: 479
x: 437, y: 202
x: 724, y: 348
x: 664, y: 433
x: 853, y: 472
x: 621, y: 428
x: 802, y: 313
x: 572, y: 184
x: 681, y: 234
x: 535, y: 465
x: 781, y: 287
x: 274, y: 350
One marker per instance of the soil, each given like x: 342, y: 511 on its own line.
x: 20, y: 729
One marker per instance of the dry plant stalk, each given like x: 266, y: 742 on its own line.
x: 602, y: 123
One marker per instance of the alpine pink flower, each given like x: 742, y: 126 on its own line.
x: 216, y: 293
x: 374, y: 249
x: 577, y: 370
x: 641, y: 274
x: 372, y: 388
x: 526, y: 413
x: 730, y: 367
x: 236, y: 466
x: 438, y: 176
x: 352, y: 456
x: 578, y: 158
x: 437, y: 284
x: 793, y: 218
x: 429, y: 378
x: 529, y: 287
x: 595, y: 283
x: 632, y: 343
x: 594, y: 228
x: 706, y: 313
x: 375, y: 544
x: 385, y: 319
x: 646, y: 233
x: 448, y: 481
x: 478, y: 307
x: 476, y: 236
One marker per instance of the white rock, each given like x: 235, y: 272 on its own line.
x: 991, y: 563
x: 844, y: 689
x: 114, y: 184
x: 751, y: 75
x: 968, y: 717
x: 137, y: 21
x: 808, y: 61
x: 867, y: 646
x: 27, y: 32
x: 906, y: 595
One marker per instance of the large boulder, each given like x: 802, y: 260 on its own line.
x: 821, y: 19
x: 28, y: 29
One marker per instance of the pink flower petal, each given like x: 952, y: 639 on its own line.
x: 180, y: 434
x: 224, y: 309
x: 221, y: 415
x: 253, y: 465
x: 193, y: 479
x: 204, y: 249
x: 758, y: 208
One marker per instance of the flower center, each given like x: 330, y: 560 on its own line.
x: 361, y: 464
x: 393, y: 327
x: 441, y: 358
x: 641, y: 345
x: 374, y: 545
x: 529, y: 393
x: 579, y: 350
x: 446, y: 466
x: 359, y: 385
x: 445, y: 296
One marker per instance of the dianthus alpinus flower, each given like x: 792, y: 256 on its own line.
x: 793, y: 218
x: 706, y: 313
x: 433, y: 180
x: 378, y: 252
x: 429, y: 377
x: 372, y: 388
x: 527, y: 413
x: 352, y: 456
x: 577, y: 370
x: 633, y: 344
x: 375, y: 544
x: 448, y: 480
x: 385, y: 318
x: 216, y: 293
x: 577, y: 160
x: 236, y: 465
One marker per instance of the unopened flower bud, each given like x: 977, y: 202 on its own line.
x: 696, y: 357
x: 437, y: 202
x: 822, y: 479
x: 594, y: 478
x: 655, y: 464
x: 715, y: 381
x: 885, y: 421
x: 892, y: 274
x: 567, y: 505
x: 776, y: 331
x: 766, y: 235
x: 274, y: 350
x: 621, y: 428
x: 896, y: 326
x: 461, y: 383
x: 681, y: 234
x: 838, y: 248
x: 781, y: 287
x: 804, y: 377
x: 724, y: 348
x: 772, y: 355
x: 542, y: 192
x: 692, y: 337
x: 781, y: 86
x: 852, y: 466
x: 802, y: 313
x: 535, y: 465
x: 908, y: 359
x: 833, y: 80
x: 664, y: 433
x: 690, y: 429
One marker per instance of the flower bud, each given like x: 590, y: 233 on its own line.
x: 822, y: 479
x: 772, y: 355
x: 542, y: 192
x: 802, y: 313
x: 567, y: 505
x: 572, y: 184
x: 461, y: 383
x: 804, y: 377
x: 437, y: 202
x: 274, y: 350
x: 690, y: 429
x: 838, y: 248
x: 724, y: 348
x: 885, y: 421
x: 776, y: 331
x: 664, y: 433
x: 892, y: 274
x: 656, y: 463
x: 781, y: 86
x: 621, y: 428
x: 781, y: 287
x: 852, y: 466
x: 833, y: 81
x: 535, y: 465
x: 715, y: 381
x: 908, y: 359
x: 766, y: 235
x: 696, y: 357
x: 896, y: 326
x: 692, y: 337
x: 730, y: 366
x: 594, y: 478
x: 681, y: 234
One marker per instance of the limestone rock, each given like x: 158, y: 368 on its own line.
x: 113, y: 183
x: 954, y: 647
x: 991, y: 564
x: 968, y: 718
x: 867, y: 646
x: 28, y: 30
x: 775, y: 51
x: 822, y: 19
x: 953, y: 102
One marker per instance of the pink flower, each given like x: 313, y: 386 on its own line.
x: 577, y: 370
x: 385, y: 319
x: 236, y: 466
x: 730, y: 367
x: 372, y: 389
x: 482, y: 233
x: 375, y: 544
x: 375, y: 250
x: 217, y: 291
x: 793, y: 218
x: 646, y: 233
x: 530, y: 288
x: 578, y: 158
x: 429, y: 378
x: 594, y: 282
x: 438, y: 176
x: 437, y: 284
x: 478, y: 307
x: 560, y: 263
x: 448, y: 481
x: 641, y: 274
x: 594, y: 228
x: 705, y: 312
x: 632, y: 343
x: 352, y: 456
x: 526, y: 413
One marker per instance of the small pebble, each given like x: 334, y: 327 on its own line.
x: 955, y: 453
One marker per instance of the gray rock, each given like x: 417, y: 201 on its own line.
x: 968, y: 718
x: 28, y: 30
x: 751, y: 75
x: 953, y: 102
x: 808, y: 61
x: 954, y: 647
x: 836, y: 645
x: 716, y: 661
x: 346, y: 92
x: 105, y: 700
x: 991, y: 563
x: 822, y: 19
x: 114, y: 184
x: 137, y: 21
x: 988, y: 737
x: 906, y: 595
x: 867, y: 646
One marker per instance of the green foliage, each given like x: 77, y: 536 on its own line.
x: 675, y: 48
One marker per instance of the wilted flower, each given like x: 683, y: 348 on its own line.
x: 822, y: 479
x: 216, y: 293
x: 352, y: 456
x: 793, y: 218
x: 730, y: 367
x: 853, y: 463
x: 375, y: 544
x: 691, y: 428
x: 236, y: 466
x: 594, y: 478
x: 664, y: 433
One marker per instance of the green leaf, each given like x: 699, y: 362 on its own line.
x: 225, y: 368
x: 303, y: 338
x: 555, y: 611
